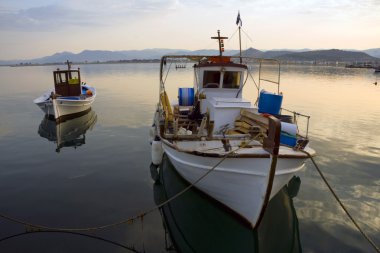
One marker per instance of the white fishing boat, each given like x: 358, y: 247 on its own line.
x: 247, y: 151
x: 69, y: 96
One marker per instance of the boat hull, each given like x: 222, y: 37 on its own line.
x: 238, y: 183
x: 192, y: 216
x: 64, y: 106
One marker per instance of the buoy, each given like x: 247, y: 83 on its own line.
x: 157, y: 151
x: 89, y: 92
x: 152, y: 134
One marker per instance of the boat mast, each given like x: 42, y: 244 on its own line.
x: 69, y: 68
x: 68, y: 64
x: 239, y: 23
x: 221, y: 43
x: 240, y: 43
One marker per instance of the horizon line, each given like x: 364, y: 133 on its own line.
x: 264, y: 50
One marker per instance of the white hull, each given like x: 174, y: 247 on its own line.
x: 64, y: 106
x: 239, y: 183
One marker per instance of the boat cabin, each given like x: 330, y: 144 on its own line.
x: 219, y: 86
x: 67, y: 82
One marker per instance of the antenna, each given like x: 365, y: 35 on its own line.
x: 68, y: 64
x: 221, y: 43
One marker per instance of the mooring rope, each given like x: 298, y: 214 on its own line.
x: 341, y: 203
x: 130, y: 248
x: 130, y: 220
x: 157, y: 207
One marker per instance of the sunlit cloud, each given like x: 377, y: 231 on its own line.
x: 45, y: 18
x: 79, y: 14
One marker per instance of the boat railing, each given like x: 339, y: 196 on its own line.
x: 262, y: 62
x: 275, y: 68
x: 296, y: 116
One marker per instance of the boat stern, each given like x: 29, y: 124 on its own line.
x: 44, y: 103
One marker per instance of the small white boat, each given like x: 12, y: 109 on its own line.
x: 69, y: 96
x: 250, y: 153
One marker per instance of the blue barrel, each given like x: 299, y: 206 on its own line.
x: 269, y: 102
x: 287, y: 139
x: 186, y: 96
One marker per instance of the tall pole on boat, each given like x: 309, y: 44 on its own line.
x: 68, y: 65
x: 239, y: 23
x: 240, y: 43
x: 221, y: 43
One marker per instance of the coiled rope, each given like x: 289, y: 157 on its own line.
x: 341, y: 204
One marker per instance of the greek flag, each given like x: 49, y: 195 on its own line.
x: 238, y: 20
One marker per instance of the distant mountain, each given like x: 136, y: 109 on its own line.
x: 104, y: 56
x: 375, y: 52
x: 332, y: 55
x: 251, y: 52
x: 58, y: 57
x: 270, y: 54
x: 275, y: 54
x: 203, y: 52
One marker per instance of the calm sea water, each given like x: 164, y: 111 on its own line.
x: 102, y: 173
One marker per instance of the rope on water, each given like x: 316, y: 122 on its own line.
x: 130, y: 248
x: 130, y: 220
x: 341, y: 204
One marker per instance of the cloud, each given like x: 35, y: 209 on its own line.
x: 79, y: 14
x: 44, y: 18
x: 113, y: 7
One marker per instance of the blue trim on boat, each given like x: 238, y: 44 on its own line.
x: 84, y: 90
x: 70, y: 98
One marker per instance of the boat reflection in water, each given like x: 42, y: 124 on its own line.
x: 196, y: 223
x: 68, y: 133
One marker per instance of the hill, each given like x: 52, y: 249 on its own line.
x: 332, y: 55
x: 375, y: 52
x: 251, y: 52
x: 106, y: 56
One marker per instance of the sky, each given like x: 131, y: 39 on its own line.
x: 36, y: 28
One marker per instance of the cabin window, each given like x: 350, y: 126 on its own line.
x: 231, y: 79
x: 74, y: 75
x: 73, y: 78
x: 211, y: 79
x: 60, y: 78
